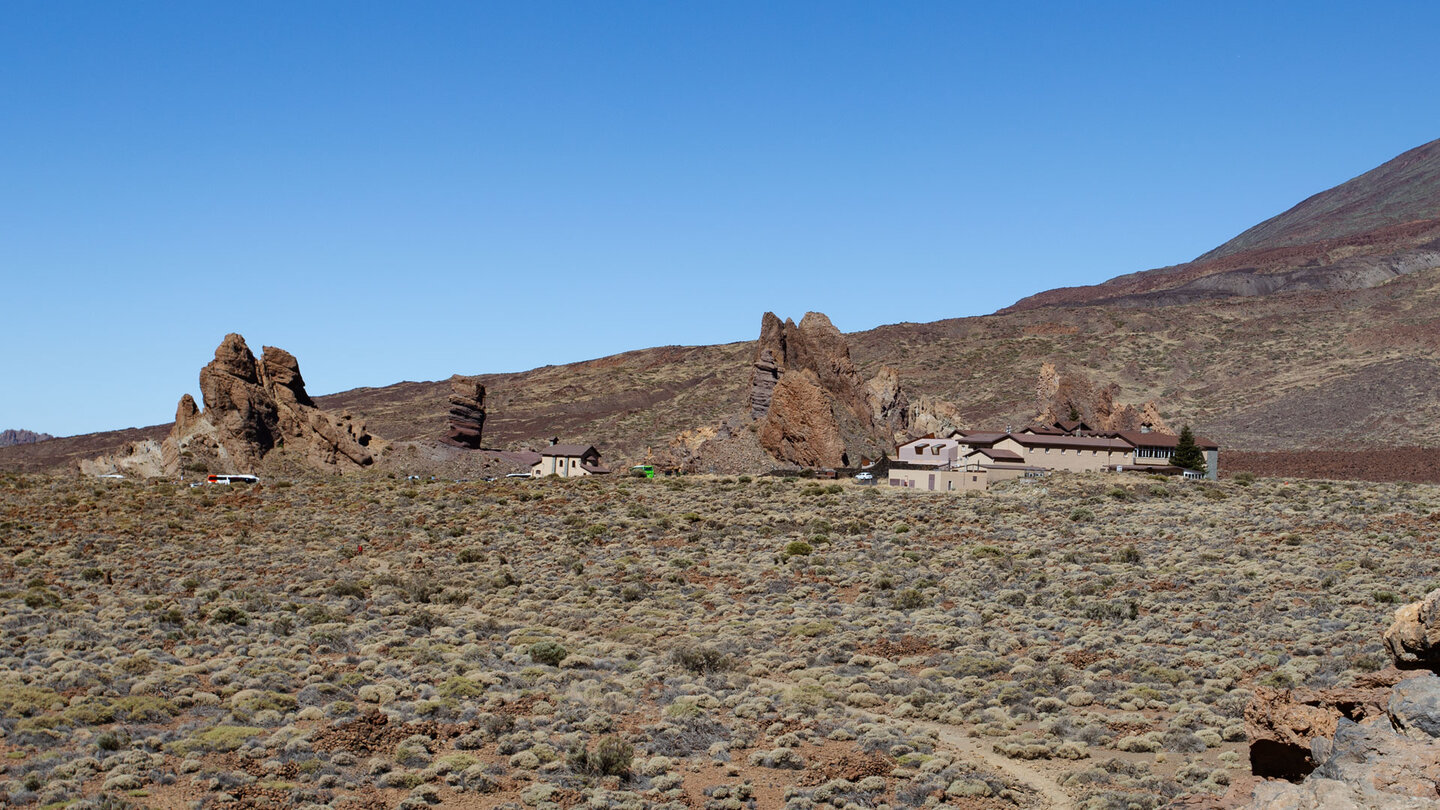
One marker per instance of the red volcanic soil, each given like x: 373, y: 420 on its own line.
x: 1417, y: 464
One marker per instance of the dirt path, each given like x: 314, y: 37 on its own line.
x: 1041, y: 783
x: 972, y: 748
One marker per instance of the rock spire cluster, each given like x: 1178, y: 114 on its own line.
x: 252, y: 407
x: 810, y: 403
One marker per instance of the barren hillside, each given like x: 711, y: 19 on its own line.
x: 1362, y: 233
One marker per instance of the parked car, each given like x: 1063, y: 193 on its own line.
x: 865, y: 478
x: 517, y: 475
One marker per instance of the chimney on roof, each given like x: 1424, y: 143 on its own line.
x: 1007, y: 430
x: 554, y: 440
x: 1145, y: 427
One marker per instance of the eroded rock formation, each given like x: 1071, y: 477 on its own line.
x: 252, y: 407
x: 763, y: 378
x: 1074, y: 396
x: 927, y: 416
x: 1281, y: 724
x: 1375, y: 745
x: 801, y: 427
x: 889, y: 406
x: 466, y: 420
x: 1414, y: 639
x: 243, y: 417
x: 811, y: 404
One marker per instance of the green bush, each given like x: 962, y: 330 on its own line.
x: 347, y: 588
x: 112, y: 740
x: 1113, y: 611
x: 700, y: 659
x: 910, y: 599
x: 229, y: 614
x: 797, y: 548
x: 41, y: 598
x: 547, y: 652
x: 612, y: 757
x: 469, y: 555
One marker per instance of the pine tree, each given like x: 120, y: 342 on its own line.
x: 1187, y: 455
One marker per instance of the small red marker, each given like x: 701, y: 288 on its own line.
x: 359, y: 549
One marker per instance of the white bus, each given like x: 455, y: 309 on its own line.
x: 232, y: 479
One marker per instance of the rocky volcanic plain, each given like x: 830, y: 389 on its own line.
x: 696, y: 642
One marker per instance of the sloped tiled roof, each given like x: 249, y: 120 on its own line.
x: 528, y: 458
x: 1073, y: 442
x: 1138, y: 439
x: 979, y: 437
x: 998, y: 455
x: 568, y: 450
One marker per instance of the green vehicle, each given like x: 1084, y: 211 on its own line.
x: 643, y: 471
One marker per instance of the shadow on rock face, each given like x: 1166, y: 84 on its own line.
x: 1278, y: 760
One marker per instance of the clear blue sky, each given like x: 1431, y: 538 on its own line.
x: 409, y: 190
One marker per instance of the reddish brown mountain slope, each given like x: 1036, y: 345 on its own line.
x: 1362, y: 233
x: 623, y: 403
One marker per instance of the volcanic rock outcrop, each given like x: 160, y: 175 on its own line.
x: 1074, y: 396
x: 1281, y: 724
x: 255, y: 406
x: 11, y: 437
x: 466, y: 419
x: 932, y: 416
x: 1375, y: 745
x: 811, y: 406
x: 1413, y: 641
